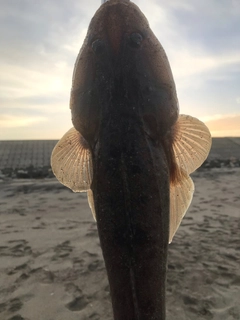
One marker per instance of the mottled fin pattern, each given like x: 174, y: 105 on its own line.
x: 71, y: 162
x: 191, y: 145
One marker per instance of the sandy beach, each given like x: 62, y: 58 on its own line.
x: 51, y: 265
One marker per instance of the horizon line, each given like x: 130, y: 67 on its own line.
x: 39, y: 139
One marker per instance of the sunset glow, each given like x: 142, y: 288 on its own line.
x: 39, y: 45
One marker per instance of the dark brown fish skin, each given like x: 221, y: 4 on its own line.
x: 124, y: 104
x: 131, y: 195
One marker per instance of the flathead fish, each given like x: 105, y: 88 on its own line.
x: 132, y: 152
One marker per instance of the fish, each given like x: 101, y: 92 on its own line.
x: 132, y: 152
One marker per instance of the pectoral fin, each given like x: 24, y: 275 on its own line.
x: 191, y: 145
x: 91, y: 203
x: 71, y: 162
x: 181, y: 193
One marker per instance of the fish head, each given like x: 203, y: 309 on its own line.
x: 122, y: 70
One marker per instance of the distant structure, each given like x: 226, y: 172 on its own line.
x: 23, y: 154
x: 225, y: 148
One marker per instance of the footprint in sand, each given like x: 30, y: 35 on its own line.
x: 71, y: 288
x: 43, y: 275
x: 62, y: 250
x: 21, y: 249
x: 17, y: 269
x: 15, y: 305
x: 96, y: 265
x: 88, y: 262
x: 77, y: 304
x: 78, y: 263
x: 200, y: 307
x: 91, y: 262
x: 79, y: 301
x: 17, y: 248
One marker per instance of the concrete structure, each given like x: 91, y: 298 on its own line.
x: 24, y: 153
x: 225, y: 148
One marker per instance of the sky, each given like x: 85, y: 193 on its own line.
x: 40, y: 40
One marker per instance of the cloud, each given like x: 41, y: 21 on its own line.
x: 30, y: 127
x: 193, y: 70
x: 183, y: 32
x: 221, y: 117
x: 213, y: 24
x: 9, y: 121
x: 40, y: 41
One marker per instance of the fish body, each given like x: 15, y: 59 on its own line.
x: 130, y: 170
x: 132, y: 152
x: 131, y: 195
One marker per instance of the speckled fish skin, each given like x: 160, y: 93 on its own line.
x: 124, y: 103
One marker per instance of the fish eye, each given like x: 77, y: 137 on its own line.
x: 98, y: 46
x: 136, y: 39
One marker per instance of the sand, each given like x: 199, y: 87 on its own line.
x: 51, y: 265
